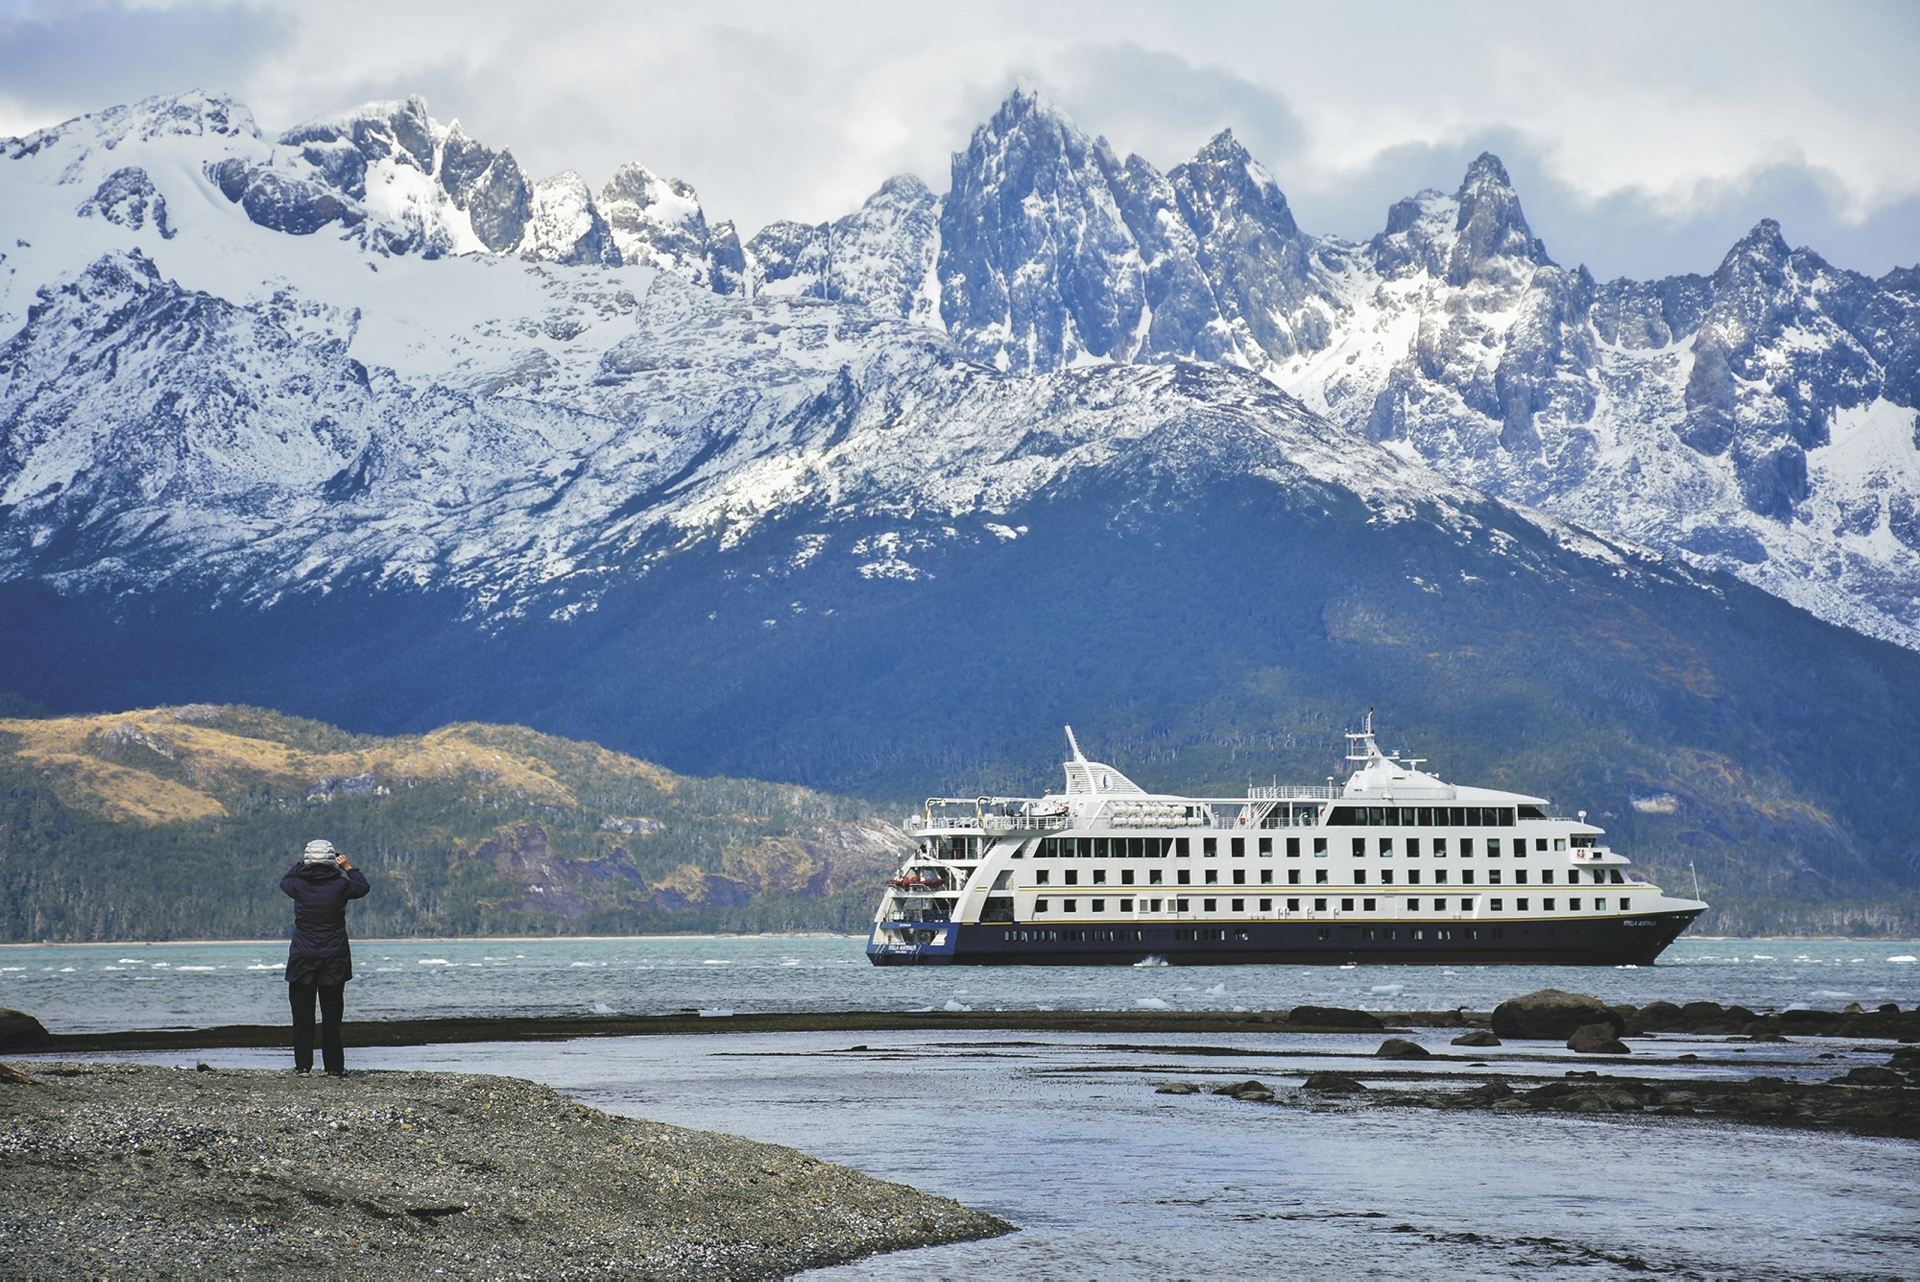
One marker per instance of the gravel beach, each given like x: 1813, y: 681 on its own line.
x: 132, y: 1170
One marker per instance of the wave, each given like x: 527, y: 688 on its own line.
x: 1154, y: 960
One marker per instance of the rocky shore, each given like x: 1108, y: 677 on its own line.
x: 132, y: 1170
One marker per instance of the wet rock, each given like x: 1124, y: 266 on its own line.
x: 1478, y: 1037
x: 19, y: 1031
x: 1333, y: 1084
x: 1401, y: 1048
x: 1332, y: 1017
x: 1655, y: 1017
x: 1514, y: 1105
x: 1177, y: 1088
x: 1766, y: 1104
x: 1817, y: 1023
x: 1242, y: 1090
x: 1489, y: 1092
x: 1868, y: 1075
x: 1552, y: 1013
x: 1596, y: 1039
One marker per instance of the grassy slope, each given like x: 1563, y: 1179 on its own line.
x: 177, y: 823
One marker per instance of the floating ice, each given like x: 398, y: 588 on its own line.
x: 601, y: 1008
x: 723, y: 1012
x: 129, y: 961
x: 1151, y: 1003
x: 435, y: 961
x: 1387, y: 990
x: 953, y: 1005
x: 589, y: 964
x: 1905, y: 959
x: 1218, y: 990
x: 196, y: 968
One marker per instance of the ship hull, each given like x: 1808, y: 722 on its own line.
x: 1596, y: 941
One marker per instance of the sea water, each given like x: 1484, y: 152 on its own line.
x: 1063, y: 1135
x: 120, y: 986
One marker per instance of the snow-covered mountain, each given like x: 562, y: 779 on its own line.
x: 361, y: 422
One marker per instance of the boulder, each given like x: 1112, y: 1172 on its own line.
x: 1332, y: 1017
x: 1178, y: 1088
x: 1695, y: 1015
x: 1553, y: 1014
x: 1655, y: 1017
x: 19, y: 1031
x: 1478, y: 1037
x: 1596, y: 1039
x: 1333, y: 1083
x: 1401, y: 1048
x: 1870, y: 1075
x: 1239, y: 1088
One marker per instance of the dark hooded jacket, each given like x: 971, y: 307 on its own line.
x: 319, y: 953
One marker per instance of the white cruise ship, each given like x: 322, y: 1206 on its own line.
x: 1396, y: 866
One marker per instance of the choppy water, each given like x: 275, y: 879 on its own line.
x: 1062, y: 1135
x: 74, y: 989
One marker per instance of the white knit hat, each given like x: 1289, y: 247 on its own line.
x: 319, y: 852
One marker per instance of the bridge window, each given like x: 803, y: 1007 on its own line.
x: 1439, y: 905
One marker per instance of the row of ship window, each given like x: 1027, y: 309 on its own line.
x: 1428, y: 816
x: 1221, y: 935
x: 1182, y: 847
x: 1321, y: 877
x: 1575, y: 904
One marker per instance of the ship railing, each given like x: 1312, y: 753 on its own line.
x: 994, y: 823
x: 1300, y: 792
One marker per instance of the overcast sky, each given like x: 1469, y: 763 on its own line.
x: 1643, y: 138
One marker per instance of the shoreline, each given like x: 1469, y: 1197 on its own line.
x: 798, y: 934
x: 129, y: 1168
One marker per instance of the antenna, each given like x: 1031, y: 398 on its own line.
x: 1696, y: 878
x: 1075, y: 745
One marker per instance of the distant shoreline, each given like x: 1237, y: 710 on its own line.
x: 803, y: 934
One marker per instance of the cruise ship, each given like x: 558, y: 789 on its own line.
x: 1396, y: 866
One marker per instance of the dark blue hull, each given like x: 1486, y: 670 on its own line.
x: 1598, y: 941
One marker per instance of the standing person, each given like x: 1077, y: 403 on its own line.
x: 319, y: 961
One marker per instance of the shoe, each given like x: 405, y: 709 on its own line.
x: 336, y: 1073
x: 303, y: 1072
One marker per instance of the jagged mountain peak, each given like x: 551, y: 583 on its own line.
x: 1764, y: 241
x: 1495, y: 243
x: 195, y: 113
x: 1485, y: 171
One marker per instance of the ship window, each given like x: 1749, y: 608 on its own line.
x: 1040, y: 876
x: 1413, y: 876
x: 1618, y: 880
x: 1493, y: 847
x: 1559, y: 843
x: 1099, y: 905
x: 1497, y: 905
x: 1319, y: 847
x: 1624, y: 902
x: 1073, y: 877
x: 1180, y: 847
x: 1099, y: 876
x: 1209, y: 846
x: 1266, y: 876
x: 1493, y: 876
x: 1180, y: 905
x: 1386, y: 876
x: 1319, y: 905
x: 1239, y: 876
x: 1466, y: 847
x: 1573, y: 905
x: 1546, y: 876
x: 1239, y: 905
x: 1126, y: 905
x: 1466, y: 876
x: 1099, y: 847
x: 1519, y: 876
x: 1376, y: 816
x: 1386, y: 848
x: 1039, y: 905
x: 1293, y: 847
x: 1346, y: 905
x: 1208, y: 905
x: 1366, y: 905
x: 1439, y: 876
x: 1293, y: 876
x: 1213, y: 876
x: 1293, y: 905
x: 1319, y: 876
x: 1539, y: 843
x: 1531, y: 812
x: 1153, y: 905
x: 1239, y: 847
x: 1186, y: 876
x: 1425, y: 818
x: 1266, y: 905
x: 1069, y: 905
x: 1153, y: 876
x: 1547, y: 904
x: 1126, y: 876
x: 1599, y: 877
x: 1266, y: 847
x: 1413, y: 848
x: 1466, y: 905
x: 1359, y: 848
x: 1439, y: 905
x: 1520, y: 904
x: 1359, y: 876
x: 1413, y: 906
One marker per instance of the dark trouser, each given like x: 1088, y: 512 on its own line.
x: 332, y: 1001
